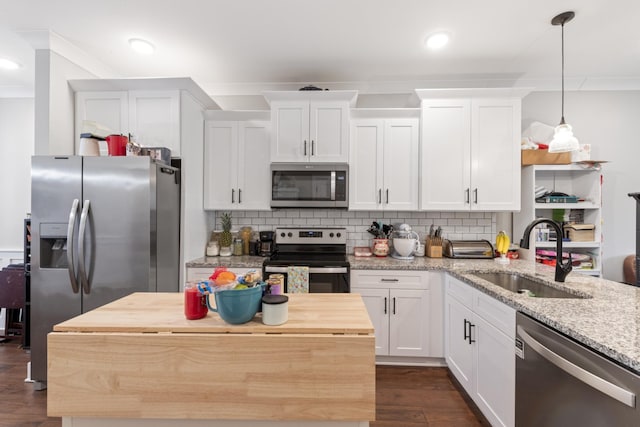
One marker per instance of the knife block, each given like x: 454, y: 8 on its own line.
x: 433, y: 247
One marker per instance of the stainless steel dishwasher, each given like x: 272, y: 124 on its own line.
x: 562, y: 383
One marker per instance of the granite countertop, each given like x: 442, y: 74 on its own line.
x: 608, y: 321
x: 243, y: 261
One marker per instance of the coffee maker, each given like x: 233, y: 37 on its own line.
x: 266, y: 243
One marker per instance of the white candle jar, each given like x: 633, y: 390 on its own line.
x: 275, y: 309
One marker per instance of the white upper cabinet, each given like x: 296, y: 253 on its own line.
x: 154, y: 118
x: 236, y: 175
x: 384, y: 164
x: 156, y: 111
x: 310, y: 126
x: 495, y: 154
x: 445, y: 160
x: 470, y: 150
x: 110, y: 109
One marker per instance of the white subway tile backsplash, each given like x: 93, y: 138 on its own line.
x: 455, y: 225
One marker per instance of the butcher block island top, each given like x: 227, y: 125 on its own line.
x: 140, y: 358
x: 163, y: 312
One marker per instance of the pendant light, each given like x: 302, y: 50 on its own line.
x: 563, y: 139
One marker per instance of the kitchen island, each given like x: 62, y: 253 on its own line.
x: 138, y: 361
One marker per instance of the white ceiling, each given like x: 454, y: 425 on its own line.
x: 245, y: 46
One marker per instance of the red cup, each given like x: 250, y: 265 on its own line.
x: 195, y: 304
x: 117, y: 145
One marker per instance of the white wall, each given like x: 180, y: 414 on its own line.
x: 608, y: 120
x: 16, y: 148
x: 193, y: 221
x: 55, y: 102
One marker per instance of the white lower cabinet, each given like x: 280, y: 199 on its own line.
x: 479, y: 349
x: 401, y: 307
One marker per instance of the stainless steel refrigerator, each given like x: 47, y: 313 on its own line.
x: 102, y: 228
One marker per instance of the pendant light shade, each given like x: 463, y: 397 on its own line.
x: 563, y: 139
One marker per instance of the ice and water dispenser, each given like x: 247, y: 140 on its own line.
x: 53, y: 245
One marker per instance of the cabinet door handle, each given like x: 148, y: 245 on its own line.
x: 305, y: 147
x: 239, y: 195
x: 394, y: 305
x: 385, y: 305
x: 313, y: 145
x: 466, y: 195
x: 387, y: 195
x: 388, y: 280
x: 379, y: 196
x: 471, y: 340
x: 465, y: 329
x: 475, y: 196
x: 233, y: 195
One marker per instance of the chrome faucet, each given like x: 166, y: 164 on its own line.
x: 562, y: 270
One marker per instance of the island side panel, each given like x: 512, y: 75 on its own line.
x: 212, y: 376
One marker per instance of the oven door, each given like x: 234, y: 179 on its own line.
x: 321, y: 279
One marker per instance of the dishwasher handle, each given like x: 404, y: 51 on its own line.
x: 600, y: 384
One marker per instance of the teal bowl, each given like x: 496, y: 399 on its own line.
x: 237, y: 306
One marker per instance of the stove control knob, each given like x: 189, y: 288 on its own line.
x: 281, y: 234
x: 290, y: 234
x: 338, y: 235
x: 330, y: 234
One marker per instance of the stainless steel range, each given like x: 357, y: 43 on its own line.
x: 323, y: 250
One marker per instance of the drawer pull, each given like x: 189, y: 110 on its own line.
x: 389, y: 280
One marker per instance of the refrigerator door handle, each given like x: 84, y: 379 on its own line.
x: 81, y: 253
x: 73, y: 216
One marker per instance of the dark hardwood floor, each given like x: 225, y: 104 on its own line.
x: 20, y: 405
x: 405, y: 396
x: 412, y: 397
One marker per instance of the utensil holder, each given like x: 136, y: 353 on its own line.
x: 433, y: 247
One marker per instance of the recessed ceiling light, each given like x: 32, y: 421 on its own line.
x: 8, y: 64
x: 437, y: 41
x: 142, y: 46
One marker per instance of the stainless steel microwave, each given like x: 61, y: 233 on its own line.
x: 309, y: 185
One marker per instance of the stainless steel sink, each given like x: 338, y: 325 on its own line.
x: 523, y: 285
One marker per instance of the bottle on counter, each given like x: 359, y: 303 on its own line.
x: 245, y: 235
x: 237, y: 246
